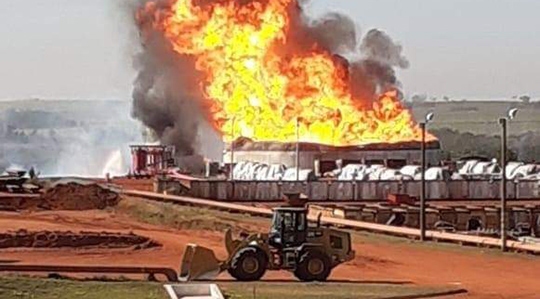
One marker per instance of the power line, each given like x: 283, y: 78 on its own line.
x: 494, y: 122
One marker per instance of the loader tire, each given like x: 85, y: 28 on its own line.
x: 313, y: 265
x: 248, y: 264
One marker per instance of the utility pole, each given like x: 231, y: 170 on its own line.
x: 428, y: 118
x: 503, y: 123
x: 231, y: 166
x: 423, y: 184
x: 297, y: 157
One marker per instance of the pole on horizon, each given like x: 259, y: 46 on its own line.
x: 297, y: 155
x: 231, y: 166
x: 423, y: 125
x: 423, y: 184
x: 503, y: 121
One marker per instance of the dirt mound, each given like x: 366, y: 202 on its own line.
x: 64, y: 195
x: 57, y: 239
x: 78, y: 196
x: 15, y: 202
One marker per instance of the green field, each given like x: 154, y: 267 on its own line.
x: 15, y: 287
x: 479, y: 117
x: 471, y: 128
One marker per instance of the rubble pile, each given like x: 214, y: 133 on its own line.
x: 58, y: 239
x: 16, y: 182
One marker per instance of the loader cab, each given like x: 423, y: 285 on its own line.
x: 289, y: 227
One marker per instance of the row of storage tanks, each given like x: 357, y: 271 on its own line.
x: 470, y: 169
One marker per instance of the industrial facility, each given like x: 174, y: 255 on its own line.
x: 323, y: 158
x: 269, y: 149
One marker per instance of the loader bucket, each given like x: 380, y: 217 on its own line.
x: 199, y: 263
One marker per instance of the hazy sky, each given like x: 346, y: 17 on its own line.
x: 461, y: 48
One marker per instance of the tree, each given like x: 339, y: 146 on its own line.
x: 418, y: 98
x: 525, y: 99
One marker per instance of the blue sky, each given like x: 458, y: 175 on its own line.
x: 460, y: 48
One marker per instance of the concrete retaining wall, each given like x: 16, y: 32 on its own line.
x: 352, y: 191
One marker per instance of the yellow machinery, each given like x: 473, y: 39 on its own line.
x: 306, y: 249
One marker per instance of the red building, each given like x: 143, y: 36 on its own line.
x: 149, y: 160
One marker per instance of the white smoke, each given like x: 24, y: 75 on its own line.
x: 114, y: 165
x: 75, y: 138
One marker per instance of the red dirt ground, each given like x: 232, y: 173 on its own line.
x: 485, y: 275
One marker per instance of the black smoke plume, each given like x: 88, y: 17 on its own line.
x: 166, y: 94
x: 167, y: 97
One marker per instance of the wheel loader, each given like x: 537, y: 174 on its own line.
x: 307, y: 249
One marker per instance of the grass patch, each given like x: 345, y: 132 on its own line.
x: 325, y: 291
x: 17, y: 287
x: 187, y: 217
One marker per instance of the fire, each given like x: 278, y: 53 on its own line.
x: 254, y: 91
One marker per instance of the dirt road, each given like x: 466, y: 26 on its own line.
x: 486, y: 274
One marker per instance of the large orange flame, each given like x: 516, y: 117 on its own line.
x: 255, y: 92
